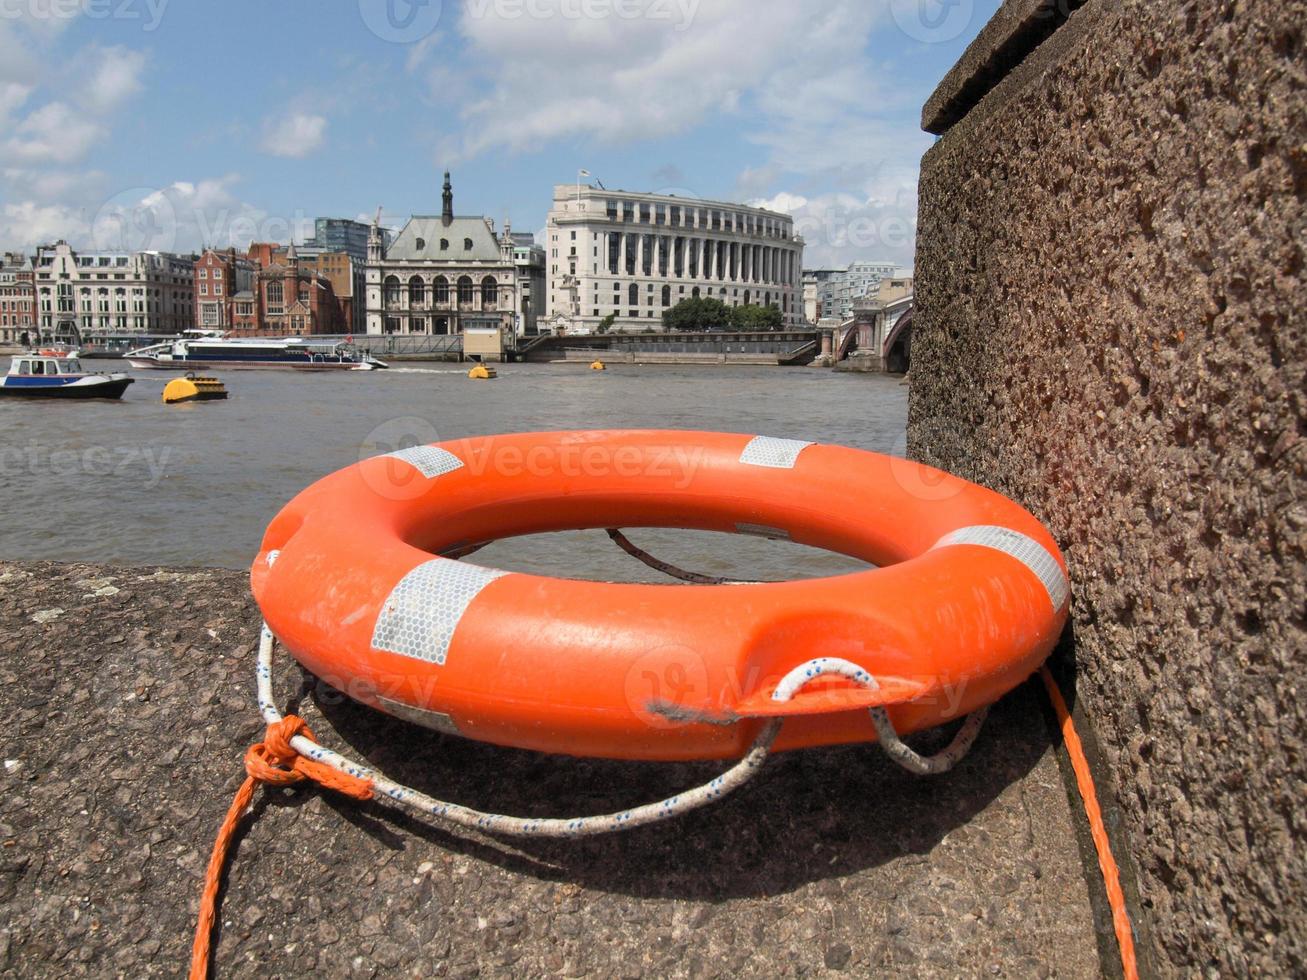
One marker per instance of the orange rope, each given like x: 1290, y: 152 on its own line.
x: 1106, y: 863
x: 273, y: 761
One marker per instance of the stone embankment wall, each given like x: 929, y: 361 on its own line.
x: 1110, y: 307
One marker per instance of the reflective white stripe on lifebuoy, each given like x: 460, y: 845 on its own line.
x: 1025, y: 549
x: 779, y: 454
x: 430, y: 461
x: 420, y: 615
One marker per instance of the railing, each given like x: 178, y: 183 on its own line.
x: 400, y: 345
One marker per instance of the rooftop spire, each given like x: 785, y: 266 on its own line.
x: 447, y: 214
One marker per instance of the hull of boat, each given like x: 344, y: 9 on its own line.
x: 206, y: 363
x: 112, y: 388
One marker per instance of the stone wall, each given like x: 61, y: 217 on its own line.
x: 1110, y: 307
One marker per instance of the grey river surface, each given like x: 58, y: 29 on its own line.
x: 138, y: 482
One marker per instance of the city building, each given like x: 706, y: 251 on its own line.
x: 332, y: 239
x: 17, y: 300
x: 819, y: 289
x: 224, y: 291
x: 348, y: 279
x: 859, y: 279
x: 883, y: 322
x: 443, y: 274
x: 834, y: 291
x: 292, y: 300
x: 345, y: 235
x: 532, y: 281
x: 633, y: 255
x: 86, y: 295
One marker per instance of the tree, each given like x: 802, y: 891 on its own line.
x: 607, y: 322
x: 697, y: 313
x: 751, y: 317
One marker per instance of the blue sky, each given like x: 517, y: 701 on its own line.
x: 178, y: 123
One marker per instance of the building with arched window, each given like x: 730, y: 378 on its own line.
x: 632, y: 255
x: 444, y: 274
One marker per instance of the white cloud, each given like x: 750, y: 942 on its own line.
x: 620, y: 78
x: 26, y: 224
x: 115, y: 76
x: 54, y: 133
x: 835, y: 147
x: 12, y: 97
x: 293, y: 136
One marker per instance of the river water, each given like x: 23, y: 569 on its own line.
x: 138, y: 482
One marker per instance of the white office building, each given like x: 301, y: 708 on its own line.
x: 94, y: 294
x: 633, y: 255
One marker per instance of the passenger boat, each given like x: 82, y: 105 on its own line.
x: 301, y: 353
x: 46, y: 375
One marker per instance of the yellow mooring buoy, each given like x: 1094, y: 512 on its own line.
x: 598, y: 366
x: 482, y: 373
x: 193, y: 389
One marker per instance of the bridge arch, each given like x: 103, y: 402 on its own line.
x: 898, y: 346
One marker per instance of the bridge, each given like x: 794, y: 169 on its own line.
x: 862, y: 342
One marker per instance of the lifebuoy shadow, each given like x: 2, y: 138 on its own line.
x: 809, y: 815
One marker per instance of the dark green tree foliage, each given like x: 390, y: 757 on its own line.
x: 699, y: 313
x: 753, y: 317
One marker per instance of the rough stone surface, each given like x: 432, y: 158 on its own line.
x: 126, y: 717
x: 1110, y: 329
x: 1016, y: 28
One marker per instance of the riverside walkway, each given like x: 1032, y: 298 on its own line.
x: 128, y: 699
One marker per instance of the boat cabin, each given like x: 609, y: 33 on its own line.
x: 32, y: 365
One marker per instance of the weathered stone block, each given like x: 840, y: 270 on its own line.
x: 1109, y: 329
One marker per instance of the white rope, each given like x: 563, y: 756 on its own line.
x: 729, y: 781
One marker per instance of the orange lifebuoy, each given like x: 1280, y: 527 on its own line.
x: 968, y: 597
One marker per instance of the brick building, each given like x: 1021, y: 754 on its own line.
x: 17, y: 300
x: 294, y: 301
x: 224, y: 291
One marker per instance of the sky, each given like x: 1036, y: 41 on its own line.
x: 176, y: 124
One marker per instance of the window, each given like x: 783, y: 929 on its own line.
x: 465, y: 289
x: 417, y: 291
x: 444, y: 244
x: 489, y: 293
x: 667, y: 296
x: 422, y: 244
x: 217, y: 273
x: 633, y: 295
x: 391, y: 290
x: 441, y: 290
x: 467, y: 244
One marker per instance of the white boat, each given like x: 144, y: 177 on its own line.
x: 47, y: 375
x: 299, y: 353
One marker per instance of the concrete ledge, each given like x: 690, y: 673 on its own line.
x: 1012, y: 33
x: 128, y: 702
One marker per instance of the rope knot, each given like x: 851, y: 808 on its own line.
x: 277, y: 762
